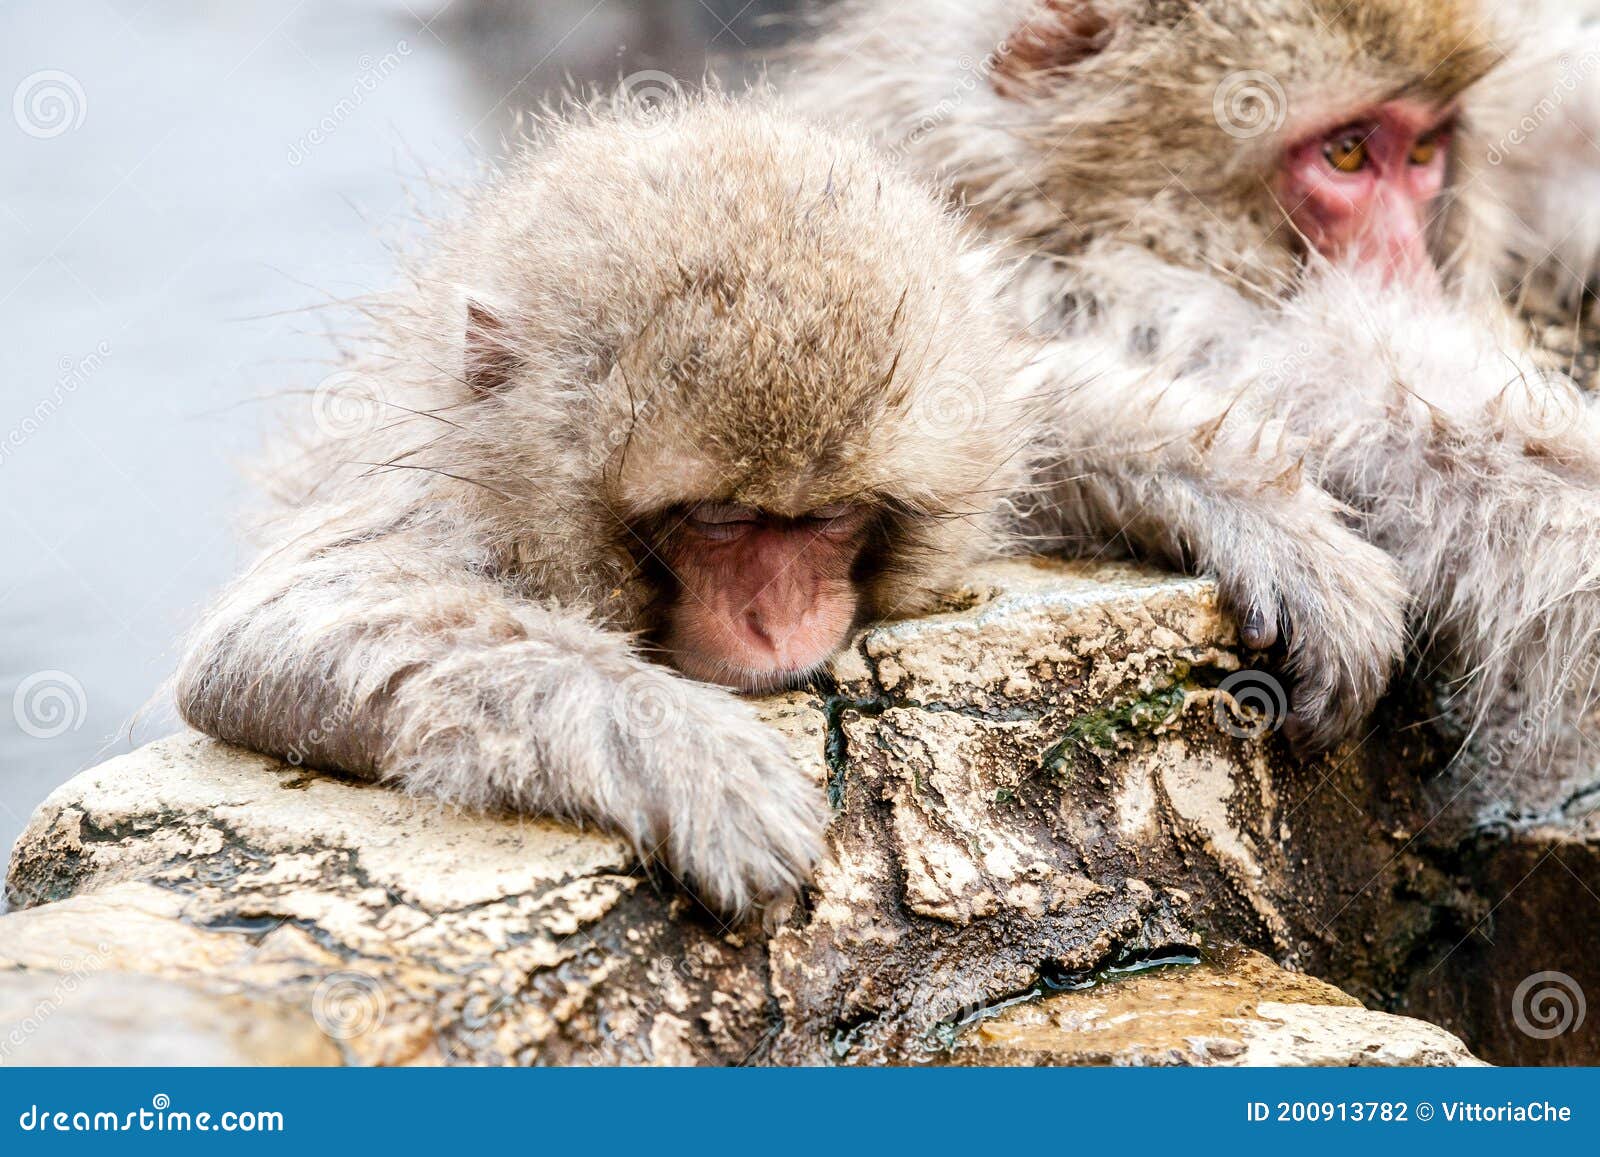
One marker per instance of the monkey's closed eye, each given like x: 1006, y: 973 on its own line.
x: 722, y: 513
x: 840, y: 519
x: 1347, y: 152
x: 722, y: 520
x: 838, y: 514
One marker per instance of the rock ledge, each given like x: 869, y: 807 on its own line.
x: 1039, y: 794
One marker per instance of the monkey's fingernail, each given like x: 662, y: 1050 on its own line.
x: 1258, y: 633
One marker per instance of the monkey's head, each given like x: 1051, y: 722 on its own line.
x: 1232, y: 135
x: 753, y: 381
x: 1245, y: 133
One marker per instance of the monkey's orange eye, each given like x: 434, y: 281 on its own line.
x: 1426, y: 149
x: 1347, y: 152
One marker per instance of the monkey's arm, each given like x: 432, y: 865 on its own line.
x: 1365, y: 365
x: 385, y: 660
x: 1156, y: 469
x: 1478, y: 472
x: 1503, y: 553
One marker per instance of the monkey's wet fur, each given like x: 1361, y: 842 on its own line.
x: 687, y: 394
x: 1270, y: 245
x: 684, y: 388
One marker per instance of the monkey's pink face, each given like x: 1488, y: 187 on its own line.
x: 1363, y: 193
x: 762, y: 600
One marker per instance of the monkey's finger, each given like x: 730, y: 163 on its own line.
x: 1318, y: 719
x: 1260, y: 630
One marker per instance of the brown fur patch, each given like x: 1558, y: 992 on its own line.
x: 1064, y: 33
x: 1442, y: 46
x: 1127, y: 109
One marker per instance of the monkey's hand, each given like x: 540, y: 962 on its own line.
x: 581, y: 728
x: 731, y: 814
x: 1289, y: 569
x: 440, y: 681
x: 1336, y: 602
x: 1165, y: 466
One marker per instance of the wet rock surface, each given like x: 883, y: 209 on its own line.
x: 73, y: 1017
x: 1058, y: 777
x: 412, y: 933
x: 1236, y: 1009
x: 1519, y: 980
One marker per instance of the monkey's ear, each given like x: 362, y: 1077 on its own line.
x: 488, y: 362
x: 1059, y: 34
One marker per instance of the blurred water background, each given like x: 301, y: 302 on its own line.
x: 179, y: 182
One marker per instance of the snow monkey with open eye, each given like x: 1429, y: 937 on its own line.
x: 665, y: 418
x: 1274, y: 238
